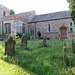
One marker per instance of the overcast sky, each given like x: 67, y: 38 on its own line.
x: 40, y: 6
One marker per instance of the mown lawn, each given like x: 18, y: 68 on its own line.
x: 12, y: 69
x: 41, y: 60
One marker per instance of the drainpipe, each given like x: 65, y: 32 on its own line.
x: 35, y: 29
x: 2, y: 30
x: 2, y: 27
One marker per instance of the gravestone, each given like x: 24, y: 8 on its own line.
x: 59, y: 37
x: 24, y: 42
x: 44, y: 41
x: 9, y: 46
x: 73, y: 45
x: 31, y: 38
x: 34, y: 37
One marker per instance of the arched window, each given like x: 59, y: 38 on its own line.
x: 23, y: 28
x: 8, y: 28
x: 49, y: 27
x: 71, y: 28
x: 32, y: 31
x: 4, y: 13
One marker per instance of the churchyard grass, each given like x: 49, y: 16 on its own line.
x: 41, y: 60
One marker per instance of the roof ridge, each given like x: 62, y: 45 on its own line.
x: 24, y: 12
x: 52, y: 16
x: 53, y: 13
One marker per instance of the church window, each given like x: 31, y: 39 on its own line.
x: 23, y: 28
x: 32, y: 32
x: 71, y: 28
x: 49, y: 27
x: 8, y: 28
x: 4, y: 13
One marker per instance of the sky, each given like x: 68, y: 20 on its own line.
x: 40, y: 6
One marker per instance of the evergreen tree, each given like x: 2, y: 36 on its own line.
x: 12, y: 12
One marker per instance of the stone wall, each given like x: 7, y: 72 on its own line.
x: 15, y: 24
x: 17, y: 21
x: 19, y: 26
x: 55, y: 25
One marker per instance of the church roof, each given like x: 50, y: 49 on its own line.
x: 20, y: 16
x: 51, y: 16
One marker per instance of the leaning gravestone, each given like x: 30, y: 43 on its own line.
x: 73, y: 45
x: 24, y: 42
x: 9, y: 46
x: 44, y: 41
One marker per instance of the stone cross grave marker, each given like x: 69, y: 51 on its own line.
x: 9, y: 46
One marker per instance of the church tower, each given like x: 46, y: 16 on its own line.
x: 4, y: 11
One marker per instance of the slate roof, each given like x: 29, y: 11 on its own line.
x: 51, y: 16
x: 20, y: 16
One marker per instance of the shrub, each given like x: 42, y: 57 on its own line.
x: 28, y: 36
x: 19, y: 34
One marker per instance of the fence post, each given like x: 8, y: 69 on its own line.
x: 64, y: 55
x: 73, y: 45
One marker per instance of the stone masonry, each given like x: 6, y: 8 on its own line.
x: 55, y: 25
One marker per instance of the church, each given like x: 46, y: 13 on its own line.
x: 52, y: 25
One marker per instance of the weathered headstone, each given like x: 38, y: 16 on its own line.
x: 59, y: 37
x: 44, y: 41
x: 34, y: 37
x: 73, y: 45
x: 9, y: 46
x: 31, y: 38
x: 56, y: 37
x: 24, y: 42
x: 64, y: 55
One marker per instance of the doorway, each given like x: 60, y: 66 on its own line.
x: 63, y: 32
x: 39, y: 34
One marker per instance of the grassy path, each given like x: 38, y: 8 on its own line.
x: 11, y: 69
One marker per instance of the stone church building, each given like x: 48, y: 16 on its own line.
x: 51, y: 25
